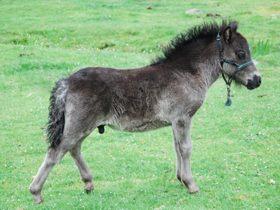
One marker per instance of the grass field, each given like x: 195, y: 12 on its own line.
x: 236, y: 150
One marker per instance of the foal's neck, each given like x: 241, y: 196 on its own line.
x: 209, y: 64
x: 198, y: 61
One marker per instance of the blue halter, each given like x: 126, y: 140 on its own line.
x: 239, y: 67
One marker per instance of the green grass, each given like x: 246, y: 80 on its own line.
x: 236, y: 149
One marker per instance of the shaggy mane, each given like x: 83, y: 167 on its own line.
x: 203, y: 31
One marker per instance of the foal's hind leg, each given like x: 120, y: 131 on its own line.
x: 84, y: 170
x: 53, y: 156
x: 71, y: 136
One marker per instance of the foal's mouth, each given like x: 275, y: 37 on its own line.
x: 252, y: 87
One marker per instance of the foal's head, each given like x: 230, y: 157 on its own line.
x: 237, y: 58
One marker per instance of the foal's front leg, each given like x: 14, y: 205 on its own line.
x: 183, y: 147
x: 179, y: 159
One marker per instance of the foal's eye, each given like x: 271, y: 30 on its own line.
x: 241, y: 54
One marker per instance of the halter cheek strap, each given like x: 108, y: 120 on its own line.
x: 239, y: 67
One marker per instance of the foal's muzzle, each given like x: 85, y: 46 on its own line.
x: 254, y: 83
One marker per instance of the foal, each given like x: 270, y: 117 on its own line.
x: 166, y: 93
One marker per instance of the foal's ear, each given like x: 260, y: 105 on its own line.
x: 233, y: 25
x: 227, y: 34
x: 231, y: 28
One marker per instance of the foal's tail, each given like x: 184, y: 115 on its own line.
x: 56, y: 121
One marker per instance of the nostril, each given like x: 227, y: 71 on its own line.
x: 257, y: 80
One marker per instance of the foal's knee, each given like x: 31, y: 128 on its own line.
x: 53, y: 157
x: 185, y: 149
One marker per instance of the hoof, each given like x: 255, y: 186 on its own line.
x: 36, y: 195
x: 89, y: 187
x: 37, y: 198
x: 193, y: 189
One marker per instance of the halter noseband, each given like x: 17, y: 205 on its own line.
x: 239, y: 67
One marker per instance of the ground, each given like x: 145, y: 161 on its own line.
x: 236, y: 149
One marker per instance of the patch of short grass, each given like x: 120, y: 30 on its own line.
x: 236, y: 149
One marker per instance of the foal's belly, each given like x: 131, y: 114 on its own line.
x: 137, y: 125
